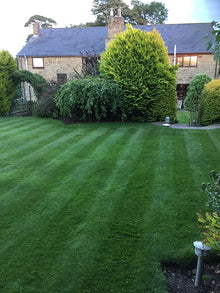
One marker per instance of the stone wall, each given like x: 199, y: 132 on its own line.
x: 206, y: 64
x: 54, y: 66
x: 66, y: 65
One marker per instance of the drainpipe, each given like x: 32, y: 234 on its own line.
x: 26, y: 65
x: 22, y: 84
x: 174, y: 57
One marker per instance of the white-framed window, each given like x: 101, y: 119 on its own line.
x: 187, y: 61
x: 38, y: 62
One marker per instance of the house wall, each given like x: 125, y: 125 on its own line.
x: 66, y: 65
x: 54, y: 66
x: 206, y: 64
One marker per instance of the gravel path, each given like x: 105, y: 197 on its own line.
x: 186, y: 126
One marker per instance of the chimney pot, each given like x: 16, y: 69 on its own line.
x: 112, y: 12
x: 36, y: 29
x: 119, y: 11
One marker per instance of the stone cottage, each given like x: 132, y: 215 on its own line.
x: 58, y: 53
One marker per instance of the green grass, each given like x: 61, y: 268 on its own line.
x: 183, y: 117
x: 98, y: 207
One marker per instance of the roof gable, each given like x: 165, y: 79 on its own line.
x: 188, y: 38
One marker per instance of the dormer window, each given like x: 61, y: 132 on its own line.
x: 38, y: 62
x: 187, y: 61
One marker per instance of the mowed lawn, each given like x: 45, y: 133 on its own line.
x: 99, y: 207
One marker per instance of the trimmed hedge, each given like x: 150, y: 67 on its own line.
x: 210, y: 103
x: 91, y: 99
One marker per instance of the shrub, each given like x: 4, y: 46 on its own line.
x: 194, y: 91
x: 211, y: 229
x: 7, y: 86
x: 90, y: 99
x: 45, y: 105
x: 139, y: 64
x: 213, y: 191
x: 210, y: 103
x: 210, y: 223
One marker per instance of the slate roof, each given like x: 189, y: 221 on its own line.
x: 188, y: 38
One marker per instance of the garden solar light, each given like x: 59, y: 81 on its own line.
x: 201, y: 251
x: 167, y: 122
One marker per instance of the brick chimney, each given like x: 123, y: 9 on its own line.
x: 36, y: 29
x: 115, y: 26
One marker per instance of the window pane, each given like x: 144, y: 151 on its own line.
x: 38, y: 63
x: 186, y: 61
x: 61, y: 78
x: 179, y: 61
x: 193, y: 61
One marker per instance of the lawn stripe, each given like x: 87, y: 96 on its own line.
x: 21, y: 127
x: 214, y: 135
x: 97, y: 227
x: 45, y: 170
x: 203, y: 152
x: 25, y: 228
x: 43, y: 164
x: 102, y: 209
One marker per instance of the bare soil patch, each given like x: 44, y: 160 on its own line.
x: 183, y: 280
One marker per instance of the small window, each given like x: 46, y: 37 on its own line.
x: 61, y: 78
x: 193, y: 61
x: 38, y: 62
x: 179, y: 61
x: 187, y: 61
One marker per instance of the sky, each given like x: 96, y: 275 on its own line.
x: 14, y: 14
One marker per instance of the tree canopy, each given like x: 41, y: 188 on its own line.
x: 43, y: 21
x: 213, y: 44
x: 140, y: 13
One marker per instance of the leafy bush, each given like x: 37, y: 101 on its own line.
x: 139, y: 64
x: 7, y: 86
x: 211, y: 229
x: 194, y: 91
x: 211, y: 221
x: 213, y: 191
x: 90, y: 99
x: 45, y: 105
x: 210, y: 103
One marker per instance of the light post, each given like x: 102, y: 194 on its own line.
x: 201, y: 251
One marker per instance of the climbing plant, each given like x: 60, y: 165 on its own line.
x: 35, y: 80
